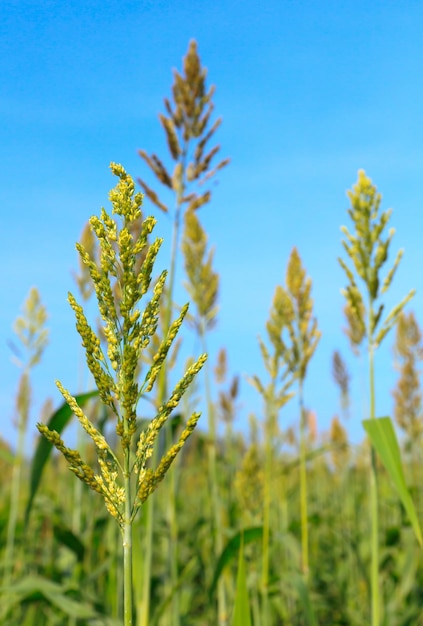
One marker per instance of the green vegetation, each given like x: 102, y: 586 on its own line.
x: 205, y: 525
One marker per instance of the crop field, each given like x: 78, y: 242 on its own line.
x: 150, y: 520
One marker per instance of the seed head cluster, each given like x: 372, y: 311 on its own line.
x: 367, y: 247
x: 121, y: 276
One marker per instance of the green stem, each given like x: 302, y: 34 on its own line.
x: 214, y: 491
x: 127, y: 545
x: 303, y: 485
x: 173, y: 556
x: 284, y: 553
x: 374, y: 571
x: 372, y: 382
x: 16, y: 486
x: 171, y: 500
x: 174, y: 249
x: 143, y: 616
x: 173, y: 550
x: 172, y: 270
x: 266, y: 510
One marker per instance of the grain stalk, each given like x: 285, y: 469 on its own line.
x: 294, y: 335
x: 126, y: 477
x: 188, y: 132
x: 202, y: 286
x: 342, y: 379
x: 32, y: 334
x: 304, y: 337
x: 368, y: 252
x: 408, y: 409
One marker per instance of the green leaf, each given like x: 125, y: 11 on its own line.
x: 242, y: 614
x: 306, y: 606
x: 66, y: 537
x: 36, y: 589
x: 231, y: 550
x: 58, y: 422
x: 382, y: 437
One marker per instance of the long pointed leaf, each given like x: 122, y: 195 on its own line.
x: 382, y: 437
x: 58, y: 422
x: 231, y: 550
x: 242, y: 613
x: 38, y: 589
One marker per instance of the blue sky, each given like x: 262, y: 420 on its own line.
x: 309, y: 92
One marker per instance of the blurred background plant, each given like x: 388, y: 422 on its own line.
x: 30, y: 329
x: 368, y: 252
x: 188, y: 128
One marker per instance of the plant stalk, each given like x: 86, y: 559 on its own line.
x: 127, y: 545
x: 214, y: 489
x: 266, y: 511
x: 374, y: 571
x: 16, y: 483
x: 161, y: 394
x: 303, y: 486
